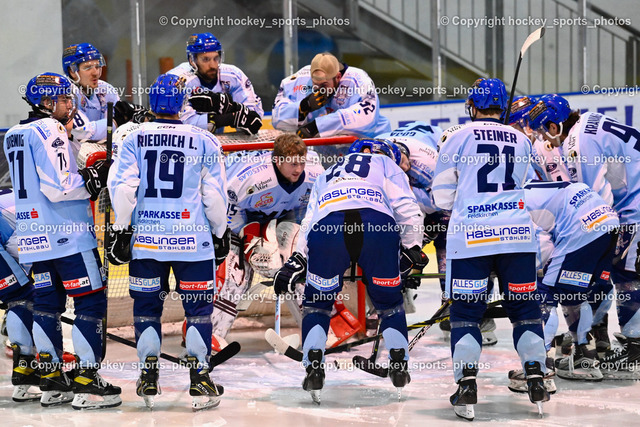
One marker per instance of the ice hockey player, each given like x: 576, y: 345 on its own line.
x: 169, y: 192
x: 50, y: 190
x: 479, y: 176
x: 360, y: 210
x: 16, y: 294
x: 599, y: 153
x: 221, y: 94
x: 581, y: 226
x: 328, y: 98
x: 268, y: 195
x: 547, y: 160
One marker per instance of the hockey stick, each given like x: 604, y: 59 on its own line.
x: 369, y: 365
x: 107, y: 226
x: 269, y: 283
x: 283, y: 348
x: 533, y: 37
x: 222, y: 356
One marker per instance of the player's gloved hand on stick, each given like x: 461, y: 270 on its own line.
x: 431, y: 229
x: 411, y: 282
x: 313, y: 102
x: 95, y: 178
x: 412, y: 259
x: 310, y: 130
x: 221, y: 246
x: 293, y: 271
x: 211, y: 102
x: 124, y: 112
x: 119, y: 249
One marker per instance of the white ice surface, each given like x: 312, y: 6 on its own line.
x: 264, y: 389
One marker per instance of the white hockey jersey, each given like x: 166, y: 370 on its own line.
x: 573, y: 214
x: 168, y: 181
x: 90, y: 121
x: 363, y: 181
x: 231, y: 80
x: 422, y: 141
x: 257, y: 194
x: 479, y: 176
x: 605, y: 155
x: 354, y: 109
x: 53, y: 213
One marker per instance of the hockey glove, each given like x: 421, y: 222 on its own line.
x: 124, y: 112
x: 211, y: 102
x: 119, y: 249
x: 247, y: 120
x: 412, y: 259
x: 311, y: 103
x: 310, y: 130
x: 293, y: 271
x: 221, y: 246
x: 638, y: 260
x: 411, y: 282
x: 95, y: 178
x: 431, y: 228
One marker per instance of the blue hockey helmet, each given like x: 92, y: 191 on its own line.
x: 168, y: 94
x: 549, y: 109
x: 377, y: 146
x: 520, y: 107
x: 76, y: 54
x: 487, y: 93
x: 200, y: 43
x: 47, y: 86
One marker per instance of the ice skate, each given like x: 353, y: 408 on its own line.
x: 205, y: 393
x: 467, y: 394
x: 600, y: 335
x: 398, y: 370
x: 622, y: 363
x: 518, y: 380
x: 56, y: 386
x: 535, y: 384
x: 25, y: 374
x: 147, y: 385
x: 93, y: 392
x: 314, y: 381
x: 581, y: 365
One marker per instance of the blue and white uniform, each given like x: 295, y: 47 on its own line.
x: 169, y: 183
x: 361, y: 210
x: 258, y: 192
x: 16, y: 289
x: 354, y: 108
x: 231, y: 81
x: 479, y: 176
x: 605, y: 154
x: 548, y: 161
x: 422, y: 141
x: 583, y: 230
x: 54, y: 226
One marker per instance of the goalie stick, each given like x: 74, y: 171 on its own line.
x: 533, y: 37
x: 217, y: 359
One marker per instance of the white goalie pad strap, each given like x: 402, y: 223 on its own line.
x: 287, y: 234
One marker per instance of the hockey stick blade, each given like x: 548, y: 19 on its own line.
x: 281, y: 346
x: 370, y: 367
x: 533, y: 37
x: 225, y: 354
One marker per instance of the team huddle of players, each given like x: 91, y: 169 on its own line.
x: 523, y: 212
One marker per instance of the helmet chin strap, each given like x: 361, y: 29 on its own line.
x: 555, y: 137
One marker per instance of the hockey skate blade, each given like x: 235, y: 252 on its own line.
x: 199, y: 403
x: 465, y: 411
x: 21, y: 393
x: 399, y: 392
x: 540, y: 410
x: 293, y: 340
x: 85, y: 401
x: 53, y: 398
x: 315, y: 396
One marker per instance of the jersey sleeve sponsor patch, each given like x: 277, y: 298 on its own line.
x: 205, y: 285
x: 387, y: 283
x: 522, y: 287
x: 8, y: 281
